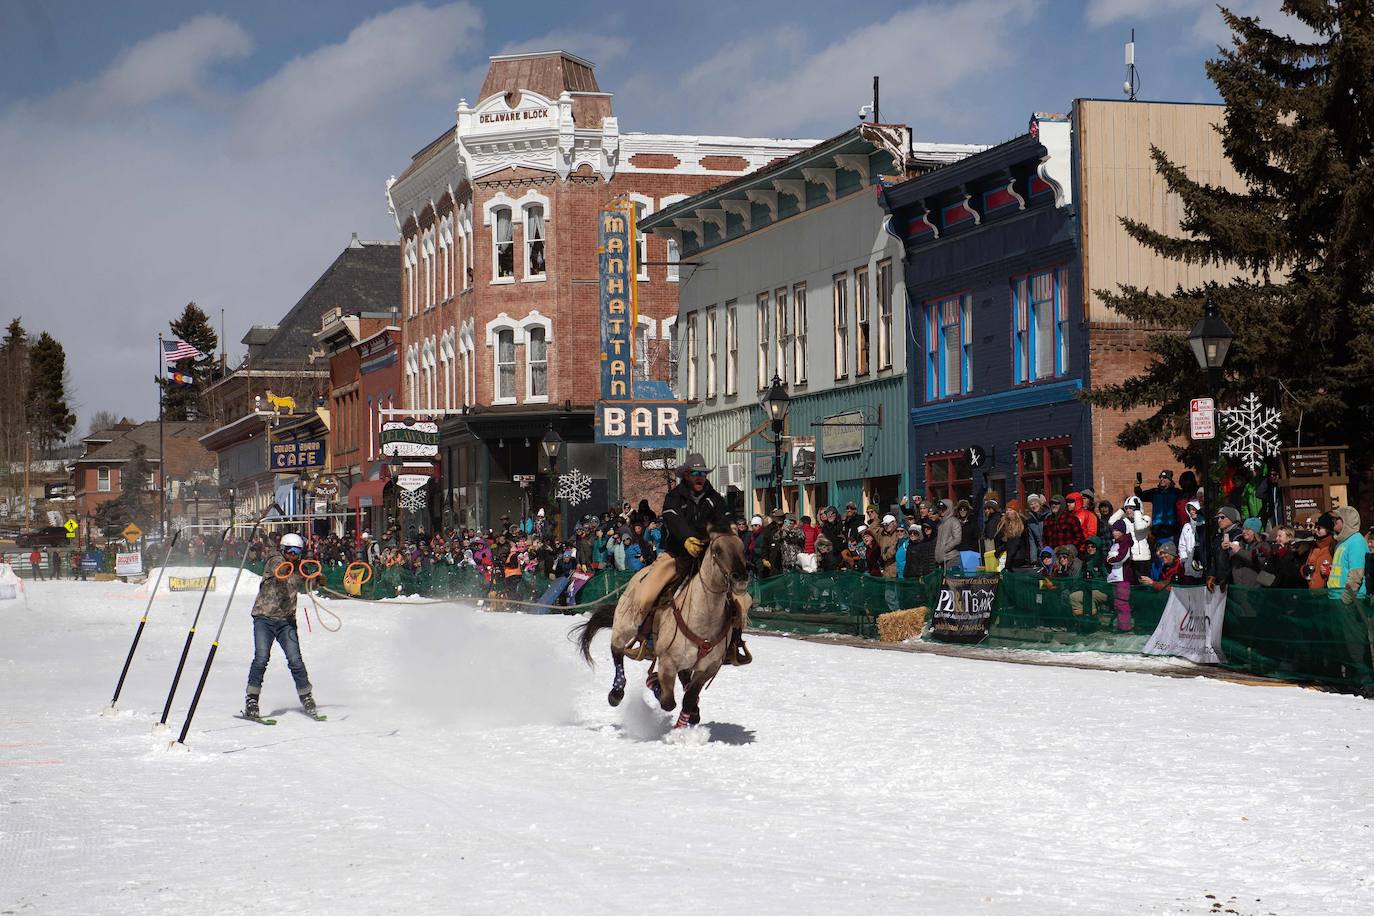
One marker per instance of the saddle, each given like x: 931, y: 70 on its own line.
x: 642, y: 646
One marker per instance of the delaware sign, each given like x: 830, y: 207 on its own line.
x: 634, y: 414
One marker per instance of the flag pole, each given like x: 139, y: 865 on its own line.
x: 161, y: 458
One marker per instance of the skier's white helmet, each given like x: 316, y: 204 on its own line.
x: 292, y: 542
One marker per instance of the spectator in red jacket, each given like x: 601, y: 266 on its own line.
x: 1063, y: 527
x: 810, y: 532
x: 1087, y: 519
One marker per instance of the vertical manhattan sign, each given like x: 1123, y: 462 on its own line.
x: 637, y: 415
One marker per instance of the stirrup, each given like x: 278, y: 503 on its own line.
x: 640, y: 648
x: 738, y: 652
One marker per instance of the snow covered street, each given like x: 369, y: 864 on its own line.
x: 470, y: 764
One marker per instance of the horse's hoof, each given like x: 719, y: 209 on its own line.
x: 669, y: 703
x: 615, y: 696
x: 683, y: 721
x: 693, y: 718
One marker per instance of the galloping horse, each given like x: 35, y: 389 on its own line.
x: 691, y: 626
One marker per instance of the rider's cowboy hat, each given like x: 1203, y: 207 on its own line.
x: 694, y: 462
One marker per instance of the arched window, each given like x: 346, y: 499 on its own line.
x: 534, y: 241
x: 505, y: 365
x: 503, y: 245
x: 537, y: 364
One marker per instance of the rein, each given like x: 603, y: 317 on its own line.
x: 704, y: 646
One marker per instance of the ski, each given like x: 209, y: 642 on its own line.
x: 258, y: 719
x: 316, y: 716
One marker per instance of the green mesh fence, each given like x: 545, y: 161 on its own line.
x: 1298, y: 635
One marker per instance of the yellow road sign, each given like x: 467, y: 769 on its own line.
x: 71, y: 527
x: 132, y: 532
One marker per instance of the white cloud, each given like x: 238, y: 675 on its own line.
x: 166, y: 65
x: 406, y: 49
x: 597, y: 47
x: 1199, y: 20
x: 129, y: 195
x: 926, y: 52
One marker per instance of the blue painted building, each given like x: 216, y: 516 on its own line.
x: 997, y: 342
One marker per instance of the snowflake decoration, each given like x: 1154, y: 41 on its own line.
x: 575, y: 487
x: 414, y: 500
x: 1252, y: 432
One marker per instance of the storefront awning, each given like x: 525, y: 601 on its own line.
x: 369, y: 490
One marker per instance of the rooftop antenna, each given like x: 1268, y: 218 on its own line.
x: 1132, y: 84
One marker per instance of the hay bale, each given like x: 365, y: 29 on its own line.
x: 899, y: 626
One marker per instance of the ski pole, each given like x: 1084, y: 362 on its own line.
x: 186, y: 649
x: 143, y: 621
x: 214, y: 646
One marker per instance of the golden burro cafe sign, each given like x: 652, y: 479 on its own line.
x: 636, y: 414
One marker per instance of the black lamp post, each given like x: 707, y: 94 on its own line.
x: 777, y: 400
x: 552, y: 443
x: 1211, y: 342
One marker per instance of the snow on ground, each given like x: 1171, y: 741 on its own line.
x: 471, y: 765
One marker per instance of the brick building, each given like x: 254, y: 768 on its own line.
x: 98, y: 475
x: 499, y: 318
x: 364, y: 378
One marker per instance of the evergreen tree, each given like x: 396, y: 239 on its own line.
x: 49, y: 418
x: 135, y: 502
x: 14, y: 386
x: 182, y: 402
x: 1299, y: 129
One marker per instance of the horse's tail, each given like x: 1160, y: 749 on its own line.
x: 601, y: 618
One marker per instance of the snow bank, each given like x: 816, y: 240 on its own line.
x: 193, y: 580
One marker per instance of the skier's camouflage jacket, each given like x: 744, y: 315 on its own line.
x: 277, y: 597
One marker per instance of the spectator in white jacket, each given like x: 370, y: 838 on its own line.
x: 1187, y: 545
x: 1138, y: 527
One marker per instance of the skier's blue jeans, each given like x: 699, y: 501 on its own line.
x: 266, y: 630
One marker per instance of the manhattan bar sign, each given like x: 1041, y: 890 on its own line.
x: 635, y: 415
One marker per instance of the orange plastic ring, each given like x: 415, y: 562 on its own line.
x: 311, y: 575
x: 284, y: 565
x: 360, y: 565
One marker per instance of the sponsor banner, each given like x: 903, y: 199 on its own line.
x: 410, y: 440
x: 190, y: 584
x: 965, y: 607
x: 803, y: 459
x: 129, y: 564
x: 616, y: 255
x: 302, y: 453
x: 1191, y: 626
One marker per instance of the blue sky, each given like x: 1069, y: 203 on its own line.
x: 157, y: 152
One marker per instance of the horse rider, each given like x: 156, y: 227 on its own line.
x: 690, y: 510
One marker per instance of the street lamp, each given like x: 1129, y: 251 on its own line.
x: 1211, y: 342
x: 777, y: 400
x: 552, y: 443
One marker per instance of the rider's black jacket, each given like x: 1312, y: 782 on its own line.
x: 689, y: 515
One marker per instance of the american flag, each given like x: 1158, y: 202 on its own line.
x: 174, y: 351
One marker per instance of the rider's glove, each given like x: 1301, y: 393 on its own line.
x: 695, y: 546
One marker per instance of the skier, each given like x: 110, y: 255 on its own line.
x: 274, y: 618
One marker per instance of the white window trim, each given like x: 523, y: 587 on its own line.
x: 693, y: 358
x: 650, y: 333
x: 886, y: 332
x: 839, y: 321
x: 731, y: 348
x: 669, y: 332
x: 647, y: 203
x: 103, y: 486
x: 500, y: 201
x: 800, y: 329
x: 763, y: 305
x: 527, y: 200
x: 529, y: 366
x: 712, y: 351
x: 674, y: 249
x: 493, y: 330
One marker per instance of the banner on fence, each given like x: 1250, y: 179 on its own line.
x: 129, y: 564
x: 186, y: 584
x: 964, y: 608
x: 1191, y: 626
